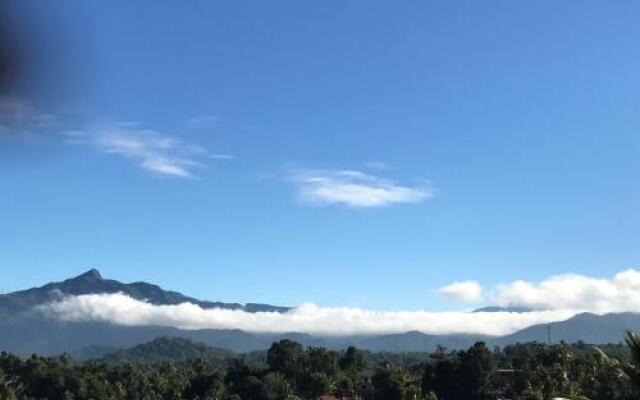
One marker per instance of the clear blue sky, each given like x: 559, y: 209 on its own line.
x: 517, y: 121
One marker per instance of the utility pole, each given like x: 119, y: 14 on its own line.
x: 549, y: 334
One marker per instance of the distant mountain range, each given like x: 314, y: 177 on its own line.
x: 163, y: 349
x: 24, y: 331
x: 515, y: 309
x: 91, y: 282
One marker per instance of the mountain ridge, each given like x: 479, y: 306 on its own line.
x: 25, y: 332
x: 92, y: 282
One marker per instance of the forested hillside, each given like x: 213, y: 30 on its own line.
x: 172, y: 368
x: 168, y: 349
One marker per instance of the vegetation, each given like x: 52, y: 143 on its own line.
x: 629, y: 367
x: 170, y: 368
x: 168, y: 349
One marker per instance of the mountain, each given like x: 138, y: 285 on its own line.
x: 93, y: 339
x: 23, y: 331
x: 94, y: 352
x: 512, y: 309
x: 411, y: 342
x: 92, y: 282
x: 168, y: 348
x: 586, y: 327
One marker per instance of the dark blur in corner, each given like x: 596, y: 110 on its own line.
x: 41, y: 63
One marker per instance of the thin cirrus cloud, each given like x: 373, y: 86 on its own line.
x: 353, y: 189
x: 155, y: 152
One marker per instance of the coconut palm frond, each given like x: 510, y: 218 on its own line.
x: 630, y: 370
x: 633, y: 341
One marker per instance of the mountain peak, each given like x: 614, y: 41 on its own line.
x: 91, y: 275
x: 92, y: 282
x: 510, y: 309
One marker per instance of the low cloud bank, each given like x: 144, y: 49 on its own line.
x: 569, y: 291
x: 600, y: 295
x: 554, y: 299
x: 308, y: 318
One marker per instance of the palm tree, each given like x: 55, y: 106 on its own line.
x: 629, y: 369
x: 632, y: 369
x: 6, y: 389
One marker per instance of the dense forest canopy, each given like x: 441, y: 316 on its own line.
x: 172, y: 368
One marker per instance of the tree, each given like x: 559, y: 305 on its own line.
x: 314, y: 384
x: 7, y: 390
x: 286, y: 357
x: 430, y: 396
x: 630, y: 370
x: 352, y: 361
x: 322, y: 360
x: 204, y: 385
x: 475, y: 372
x: 252, y: 388
x: 344, y: 386
x: 278, y: 386
x: 445, y: 379
x: 394, y: 384
x: 554, y: 374
x: 540, y: 372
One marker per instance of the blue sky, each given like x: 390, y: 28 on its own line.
x: 352, y: 153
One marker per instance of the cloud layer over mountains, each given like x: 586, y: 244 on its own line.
x: 308, y: 318
x: 568, y: 291
x: 555, y: 299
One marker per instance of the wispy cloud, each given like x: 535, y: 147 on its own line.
x: 222, y: 157
x: 151, y: 150
x: 469, y: 291
x: 354, y: 188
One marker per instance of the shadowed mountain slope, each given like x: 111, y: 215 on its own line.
x: 92, y: 282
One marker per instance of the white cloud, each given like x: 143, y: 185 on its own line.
x: 616, y: 294
x: 354, y: 189
x: 469, y: 291
x: 561, y: 292
x: 222, y: 157
x: 155, y: 152
x: 307, y: 318
x: 557, y: 298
